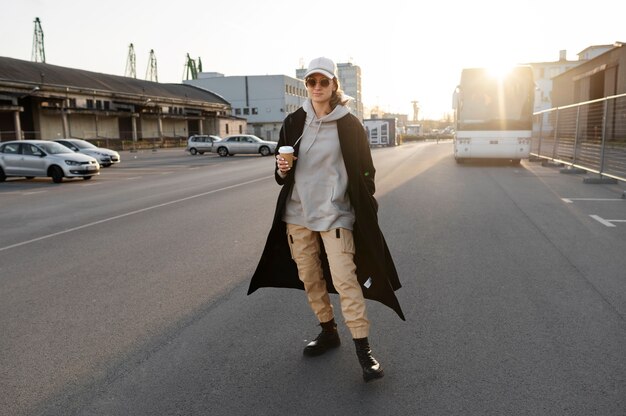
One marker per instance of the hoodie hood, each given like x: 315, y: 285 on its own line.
x: 339, y: 112
x: 313, y: 124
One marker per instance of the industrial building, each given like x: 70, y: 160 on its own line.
x: 544, y: 73
x: 603, y: 75
x: 43, y: 101
x: 265, y: 100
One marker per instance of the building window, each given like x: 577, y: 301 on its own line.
x: 240, y: 129
x: 226, y: 128
x: 246, y: 111
x: 99, y: 104
x: 89, y: 103
x: 237, y: 111
x: 255, y: 110
x: 107, y: 105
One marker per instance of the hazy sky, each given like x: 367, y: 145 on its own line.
x: 407, y: 50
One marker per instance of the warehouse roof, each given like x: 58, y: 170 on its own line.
x: 16, y: 70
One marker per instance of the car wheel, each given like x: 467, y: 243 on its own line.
x: 57, y: 174
x: 193, y: 151
x: 106, y: 165
x: 201, y: 153
x: 264, y: 150
x: 86, y: 178
x: 3, y: 177
x: 222, y: 151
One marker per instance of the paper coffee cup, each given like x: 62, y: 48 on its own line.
x: 286, y: 152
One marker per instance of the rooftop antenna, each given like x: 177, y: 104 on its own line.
x: 131, y: 67
x: 39, y: 54
x: 151, y: 72
x: 199, y: 65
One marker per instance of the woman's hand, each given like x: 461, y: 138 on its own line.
x: 283, y: 165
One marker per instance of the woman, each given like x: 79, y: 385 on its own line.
x: 325, y: 235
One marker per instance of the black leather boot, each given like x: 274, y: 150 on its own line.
x: 328, y: 338
x: 371, y: 368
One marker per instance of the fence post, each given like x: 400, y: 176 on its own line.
x: 604, y: 118
x: 556, y: 134
x: 576, y: 133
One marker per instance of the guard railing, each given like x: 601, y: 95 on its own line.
x: 590, y: 135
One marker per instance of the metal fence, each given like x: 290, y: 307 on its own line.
x: 589, y: 135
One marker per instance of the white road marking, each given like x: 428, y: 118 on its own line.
x: 91, y: 224
x: 602, y: 221
x: 571, y: 200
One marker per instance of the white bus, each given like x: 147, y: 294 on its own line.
x: 494, y: 114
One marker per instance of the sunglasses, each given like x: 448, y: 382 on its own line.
x: 312, y: 82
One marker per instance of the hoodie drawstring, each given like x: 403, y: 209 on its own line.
x: 319, y: 125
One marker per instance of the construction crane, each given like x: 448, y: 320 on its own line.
x: 416, y: 109
x: 131, y: 66
x: 151, y: 72
x: 39, y: 53
x: 191, y: 71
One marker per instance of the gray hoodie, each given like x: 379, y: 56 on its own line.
x: 319, y: 199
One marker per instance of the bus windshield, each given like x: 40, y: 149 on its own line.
x: 487, y: 102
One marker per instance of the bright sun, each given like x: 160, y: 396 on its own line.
x: 500, y: 70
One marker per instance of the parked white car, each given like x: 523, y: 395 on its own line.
x: 42, y: 158
x: 106, y: 157
x: 244, y: 143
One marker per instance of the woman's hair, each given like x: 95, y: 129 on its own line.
x: 337, y: 97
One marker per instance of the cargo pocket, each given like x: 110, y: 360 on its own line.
x: 290, y: 243
x: 347, y: 241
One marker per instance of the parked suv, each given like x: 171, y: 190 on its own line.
x: 31, y: 158
x: 200, y: 143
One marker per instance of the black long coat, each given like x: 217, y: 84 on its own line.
x: 376, y: 271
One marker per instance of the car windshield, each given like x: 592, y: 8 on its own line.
x: 82, y: 144
x: 53, y: 148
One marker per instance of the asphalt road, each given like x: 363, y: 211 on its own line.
x: 126, y: 294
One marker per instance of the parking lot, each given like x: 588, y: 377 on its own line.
x: 127, y: 294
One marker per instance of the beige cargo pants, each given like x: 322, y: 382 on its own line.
x: 339, y: 246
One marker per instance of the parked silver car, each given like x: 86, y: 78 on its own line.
x: 106, y: 157
x: 244, y: 143
x: 200, y: 143
x: 42, y: 158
